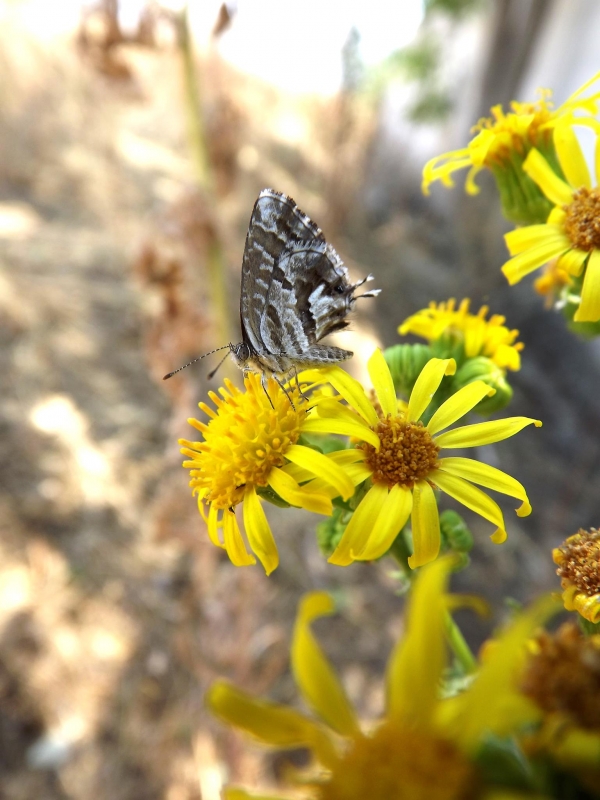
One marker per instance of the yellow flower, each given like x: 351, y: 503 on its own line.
x: 578, y: 561
x: 552, y: 282
x: 481, y: 336
x: 507, y: 137
x: 400, y: 456
x: 571, y: 233
x: 424, y: 746
x: 249, y: 443
x: 562, y: 677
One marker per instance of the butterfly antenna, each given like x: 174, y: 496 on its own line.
x: 212, y: 374
x: 371, y: 292
x: 175, y: 371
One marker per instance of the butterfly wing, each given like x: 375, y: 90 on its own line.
x: 309, y: 297
x: 275, y: 222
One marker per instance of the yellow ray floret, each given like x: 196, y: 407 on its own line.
x: 424, y: 746
x: 570, y: 238
x: 506, y: 134
x: 250, y: 443
x: 480, y: 336
x: 404, y: 464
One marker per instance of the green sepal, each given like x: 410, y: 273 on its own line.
x: 331, y: 530
x: 322, y: 443
x: 405, y: 362
x: 587, y: 330
x: 455, y: 532
x: 522, y: 200
x: 271, y: 497
x: 587, y: 627
x: 449, y: 345
x: 501, y: 762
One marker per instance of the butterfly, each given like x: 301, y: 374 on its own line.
x: 295, y: 291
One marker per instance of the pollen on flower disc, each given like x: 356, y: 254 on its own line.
x: 406, y: 454
x: 582, y: 223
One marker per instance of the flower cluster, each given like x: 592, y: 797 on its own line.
x: 545, y: 185
x: 425, y: 747
x: 523, y: 719
x: 251, y: 450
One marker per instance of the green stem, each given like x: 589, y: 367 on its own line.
x: 215, y: 259
x: 195, y: 121
x: 459, y: 646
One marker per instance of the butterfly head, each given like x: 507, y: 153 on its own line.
x: 241, y: 354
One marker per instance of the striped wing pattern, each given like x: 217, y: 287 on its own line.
x: 295, y: 287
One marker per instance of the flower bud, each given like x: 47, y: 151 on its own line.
x: 483, y: 369
x: 406, y: 362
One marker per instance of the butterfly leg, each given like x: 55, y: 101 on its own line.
x: 302, y: 395
x: 263, y: 383
x: 285, y: 391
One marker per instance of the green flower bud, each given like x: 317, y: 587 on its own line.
x: 406, y: 362
x: 331, y: 530
x: 483, y: 369
x: 455, y: 532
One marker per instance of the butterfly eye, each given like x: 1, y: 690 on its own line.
x: 339, y: 288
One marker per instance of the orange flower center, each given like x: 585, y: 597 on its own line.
x: 406, y: 454
x: 395, y: 764
x: 564, y: 675
x: 578, y: 561
x: 582, y: 224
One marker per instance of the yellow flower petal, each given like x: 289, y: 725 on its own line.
x: 425, y: 522
x: 342, y: 427
x: 234, y: 544
x: 416, y: 664
x: 487, y: 706
x: 427, y: 384
x: 518, y: 267
x: 539, y: 170
x: 321, y: 466
x: 271, y: 723
x: 213, y: 526
x: 473, y: 498
x: 484, y: 432
x: 394, y: 512
x: 332, y: 408
x: 258, y: 532
x: 357, y: 473
x: 345, y: 457
x: 571, y: 158
x: 487, y: 476
x: 458, y: 405
x: 287, y: 488
x: 314, y: 674
x: 379, y: 372
x: 233, y: 793
x: 440, y: 167
x: 522, y: 239
x: 589, y: 308
x: 470, y: 185
x: 360, y: 526
x: 573, y: 261
x: 557, y: 216
x: 350, y: 389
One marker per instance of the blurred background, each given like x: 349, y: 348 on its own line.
x: 134, y: 140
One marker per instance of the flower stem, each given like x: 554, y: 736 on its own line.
x: 215, y: 256
x: 459, y: 646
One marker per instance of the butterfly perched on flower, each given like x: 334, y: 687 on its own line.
x: 295, y: 291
